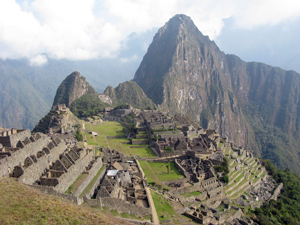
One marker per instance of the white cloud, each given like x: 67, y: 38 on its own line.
x: 86, y: 29
x: 38, y: 60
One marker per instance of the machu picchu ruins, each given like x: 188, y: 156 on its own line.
x: 202, y: 175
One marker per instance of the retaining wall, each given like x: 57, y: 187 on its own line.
x: 139, y: 141
x: 96, y: 184
x: 51, y: 191
x: 92, y: 172
x: 277, y: 192
x: 119, y: 205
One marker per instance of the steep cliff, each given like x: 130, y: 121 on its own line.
x: 184, y: 72
x: 73, y: 87
x: 253, y: 104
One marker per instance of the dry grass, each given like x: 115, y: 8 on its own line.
x: 21, y: 204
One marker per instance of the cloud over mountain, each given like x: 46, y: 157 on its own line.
x: 79, y: 30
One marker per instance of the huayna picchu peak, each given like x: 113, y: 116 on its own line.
x: 253, y: 104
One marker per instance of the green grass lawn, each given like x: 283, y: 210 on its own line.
x: 156, y: 172
x: 143, y: 152
x: 115, y: 143
x: 107, y: 128
x: 151, y: 177
x: 163, y: 207
x: 112, y: 128
x: 77, y: 183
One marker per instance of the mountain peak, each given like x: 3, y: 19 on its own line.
x: 75, y: 73
x: 72, y: 87
x: 179, y: 40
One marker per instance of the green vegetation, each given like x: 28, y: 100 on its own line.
x: 131, y: 93
x: 78, y: 135
x: 286, y: 210
x: 169, y: 149
x: 143, y: 152
x: 156, y: 172
x: 76, y: 183
x: 163, y: 207
x: 223, y: 168
x: 273, y: 142
x: 21, y: 204
x: 113, y: 129
x: 87, y: 105
x: 189, y: 194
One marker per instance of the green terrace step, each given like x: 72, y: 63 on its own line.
x: 234, y: 184
x: 243, y: 185
x: 247, y: 159
x: 252, y: 162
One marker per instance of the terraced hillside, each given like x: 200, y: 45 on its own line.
x: 244, y: 171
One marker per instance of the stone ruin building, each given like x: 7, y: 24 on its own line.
x: 35, y: 158
x: 123, y: 186
x: 58, y: 120
x: 64, y: 171
x: 198, y: 171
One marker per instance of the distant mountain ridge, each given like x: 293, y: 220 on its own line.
x: 253, y: 104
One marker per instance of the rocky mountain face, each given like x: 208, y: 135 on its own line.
x: 253, y: 104
x: 128, y: 92
x: 183, y: 71
x: 72, y: 88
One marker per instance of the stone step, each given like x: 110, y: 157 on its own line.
x: 240, y: 190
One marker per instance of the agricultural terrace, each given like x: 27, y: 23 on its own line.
x: 111, y: 135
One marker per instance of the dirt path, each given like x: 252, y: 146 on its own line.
x: 155, y: 219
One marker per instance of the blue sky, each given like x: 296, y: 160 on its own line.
x: 258, y: 30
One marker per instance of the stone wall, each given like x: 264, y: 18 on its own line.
x: 96, y: 184
x: 214, y: 191
x: 210, y: 183
x: 139, y: 141
x: 92, y: 172
x: 119, y: 205
x: 111, y: 118
x: 181, y: 169
x: 51, y: 191
x: 276, y: 192
x: 18, y: 157
x: 13, y: 139
x: 35, y: 171
x: 67, y: 179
